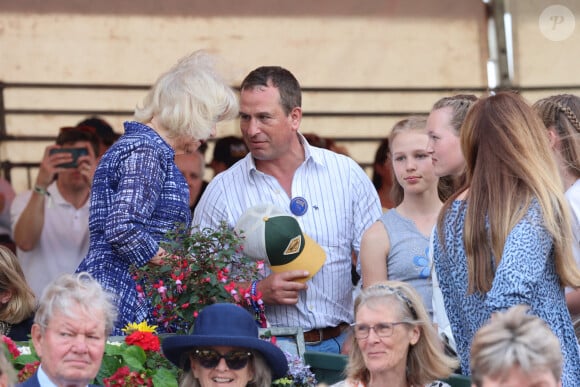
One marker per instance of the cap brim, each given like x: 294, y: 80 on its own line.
x: 176, y: 348
x: 310, y: 259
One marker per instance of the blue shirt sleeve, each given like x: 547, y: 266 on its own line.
x: 142, y: 175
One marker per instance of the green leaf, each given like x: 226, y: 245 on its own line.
x: 134, y: 356
x: 25, y: 359
x: 112, y: 349
x: 109, y: 366
x: 285, y: 381
x: 164, y: 378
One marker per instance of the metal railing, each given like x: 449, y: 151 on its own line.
x: 6, y: 165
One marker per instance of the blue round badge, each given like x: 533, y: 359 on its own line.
x: 298, y: 206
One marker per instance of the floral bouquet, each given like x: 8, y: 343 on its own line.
x: 24, y: 359
x: 201, y: 267
x: 299, y: 374
x: 137, y: 361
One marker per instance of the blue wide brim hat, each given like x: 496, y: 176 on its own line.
x: 225, y: 325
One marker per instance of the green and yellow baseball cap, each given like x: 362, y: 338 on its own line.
x: 276, y: 237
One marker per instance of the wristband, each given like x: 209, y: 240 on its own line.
x: 253, y: 289
x: 258, y: 305
x: 41, y: 191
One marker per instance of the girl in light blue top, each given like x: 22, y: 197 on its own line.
x: 396, y: 246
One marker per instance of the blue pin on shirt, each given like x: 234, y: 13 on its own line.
x: 298, y: 206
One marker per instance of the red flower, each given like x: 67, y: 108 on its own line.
x: 200, y: 269
x: 28, y: 370
x: 177, y: 277
x: 229, y: 287
x: 12, y: 348
x: 124, y: 377
x: 146, y: 340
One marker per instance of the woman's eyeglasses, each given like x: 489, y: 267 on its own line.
x: 235, y: 360
x: 362, y: 331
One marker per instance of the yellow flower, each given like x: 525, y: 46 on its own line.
x: 141, y: 327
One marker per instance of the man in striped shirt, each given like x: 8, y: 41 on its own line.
x: 332, y: 198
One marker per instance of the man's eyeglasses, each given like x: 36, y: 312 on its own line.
x: 362, y: 331
x: 209, y: 358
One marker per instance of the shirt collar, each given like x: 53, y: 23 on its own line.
x: 310, y: 155
x: 43, y: 379
x: 56, y: 197
x: 132, y: 127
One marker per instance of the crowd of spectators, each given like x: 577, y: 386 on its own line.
x: 474, y: 208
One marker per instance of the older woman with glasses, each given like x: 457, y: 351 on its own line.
x: 225, y: 349
x: 394, y: 342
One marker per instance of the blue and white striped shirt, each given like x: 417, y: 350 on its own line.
x: 342, y: 204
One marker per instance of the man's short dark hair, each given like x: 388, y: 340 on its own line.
x: 103, y: 130
x: 282, y: 79
x: 71, y: 134
x: 229, y: 150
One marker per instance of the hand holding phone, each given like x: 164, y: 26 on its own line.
x: 75, y: 154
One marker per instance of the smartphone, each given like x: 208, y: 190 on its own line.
x: 75, y: 153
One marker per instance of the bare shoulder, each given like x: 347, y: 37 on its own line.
x: 376, y: 232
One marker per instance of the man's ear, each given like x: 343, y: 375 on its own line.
x: 296, y: 117
x: 37, y: 336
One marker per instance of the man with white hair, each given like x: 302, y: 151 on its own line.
x: 70, y: 330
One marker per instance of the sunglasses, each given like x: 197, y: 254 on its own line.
x: 235, y: 360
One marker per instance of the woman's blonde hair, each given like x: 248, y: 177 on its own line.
x: 417, y: 124
x: 509, y: 165
x: 22, y: 303
x: 189, y: 99
x: 426, y: 360
x: 562, y: 112
x: 514, y: 338
x: 459, y: 104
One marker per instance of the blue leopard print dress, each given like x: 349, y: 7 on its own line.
x: 526, y: 275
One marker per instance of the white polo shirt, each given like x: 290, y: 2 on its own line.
x: 64, y: 241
